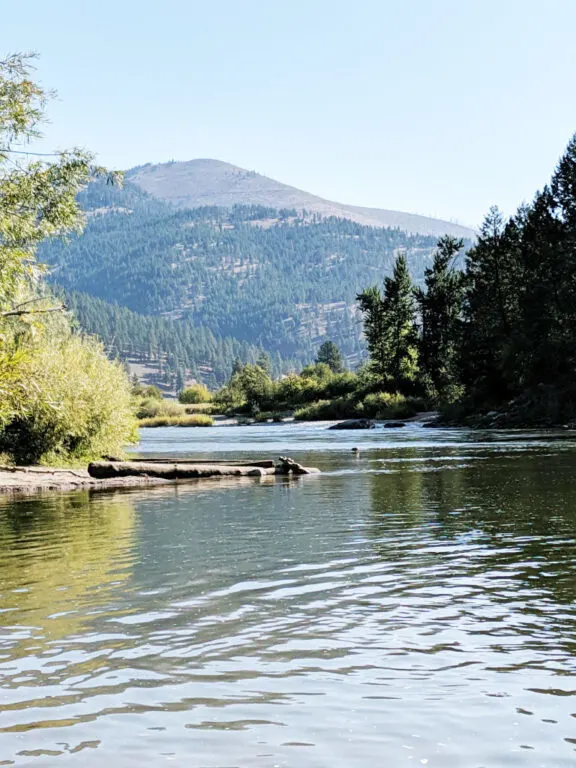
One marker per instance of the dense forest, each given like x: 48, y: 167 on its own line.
x: 493, y: 344
x: 278, y: 280
x: 176, y: 350
x: 496, y: 343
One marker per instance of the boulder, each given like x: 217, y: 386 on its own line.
x: 394, y: 424
x: 354, y: 424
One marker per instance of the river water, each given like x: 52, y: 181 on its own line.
x: 415, y: 604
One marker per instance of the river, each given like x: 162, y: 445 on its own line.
x: 414, y: 604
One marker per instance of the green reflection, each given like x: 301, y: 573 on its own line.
x: 520, y: 505
x: 58, y: 555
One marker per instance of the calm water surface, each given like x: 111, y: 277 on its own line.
x: 414, y: 605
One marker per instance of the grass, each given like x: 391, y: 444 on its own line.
x: 194, y: 420
x: 208, y: 408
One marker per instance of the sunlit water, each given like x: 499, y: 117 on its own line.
x: 412, y: 605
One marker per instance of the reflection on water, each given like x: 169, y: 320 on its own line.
x: 414, y: 605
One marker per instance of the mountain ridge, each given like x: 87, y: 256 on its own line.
x: 207, y: 182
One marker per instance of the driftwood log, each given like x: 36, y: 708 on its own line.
x: 182, y: 470
x: 169, y: 471
x: 264, y: 463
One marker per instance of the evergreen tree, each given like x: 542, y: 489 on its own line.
x: 265, y: 363
x: 330, y: 354
x: 390, y: 328
x: 441, y: 309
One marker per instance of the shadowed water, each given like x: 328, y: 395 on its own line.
x: 413, y: 605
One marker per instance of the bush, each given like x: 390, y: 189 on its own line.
x: 197, y: 393
x: 328, y: 410
x: 390, y: 405
x: 197, y: 420
x: 78, y: 405
x: 150, y: 408
x: 144, y: 391
x: 209, y: 408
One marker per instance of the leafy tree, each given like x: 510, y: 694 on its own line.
x: 52, y: 384
x: 390, y: 329
x: 197, y: 393
x: 330, y: 354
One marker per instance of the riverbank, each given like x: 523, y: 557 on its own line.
x: 31, y: 480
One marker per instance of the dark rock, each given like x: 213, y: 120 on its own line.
x: 354, y: 424
x: 394, y: 424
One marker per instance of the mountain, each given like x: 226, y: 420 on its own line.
x: 187, y: 290
x: 199, y: 183
x: 272, y: 278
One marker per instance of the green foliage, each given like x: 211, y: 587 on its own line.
x: 329, y: 353
x: 441, y: 305
x: 78, y: 404
x: 60, y: 398
x: 151, y: 407
x: 390, y: 329
x: 498, y: 344
x: 195, y: 420
x: 329, y: 410
x: 391, y: 405
x: 146, y: 392
x: 175, y: 345
x: 196, y: 393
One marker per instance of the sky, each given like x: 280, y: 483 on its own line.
x: 437, y: 107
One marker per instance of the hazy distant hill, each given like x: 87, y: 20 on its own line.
x: 199, y: 183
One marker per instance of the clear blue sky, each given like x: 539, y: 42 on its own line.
x: 439, y: 107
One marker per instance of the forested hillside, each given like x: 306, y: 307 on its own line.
x: 171, y: 351
x: 275, y: 279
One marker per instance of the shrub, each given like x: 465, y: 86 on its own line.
x: 327, y: 410
x: 144, y: 391
x: 78, y: 404
x: 151, y: 407
x: 197, y: 420
x: 197, y: 393
x: 209, y: 408
x: 390, y: 405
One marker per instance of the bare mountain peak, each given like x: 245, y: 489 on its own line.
x: 204, y: 181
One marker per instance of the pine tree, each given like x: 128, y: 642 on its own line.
x: 391, y: 333
x: 494, y: 277
x: 441, y: 309
x: 330, y: 354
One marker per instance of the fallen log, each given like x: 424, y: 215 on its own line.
x: 172, y: 471
x: 264, y: 463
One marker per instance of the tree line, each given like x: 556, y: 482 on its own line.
x: 494, y: 343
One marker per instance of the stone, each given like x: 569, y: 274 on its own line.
x: 354, y: 424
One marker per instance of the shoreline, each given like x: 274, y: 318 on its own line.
x: 137, y: 473
x: 31, y: 480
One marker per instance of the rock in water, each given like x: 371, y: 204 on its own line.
x: 354, y: 424
x: 394, y: 424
